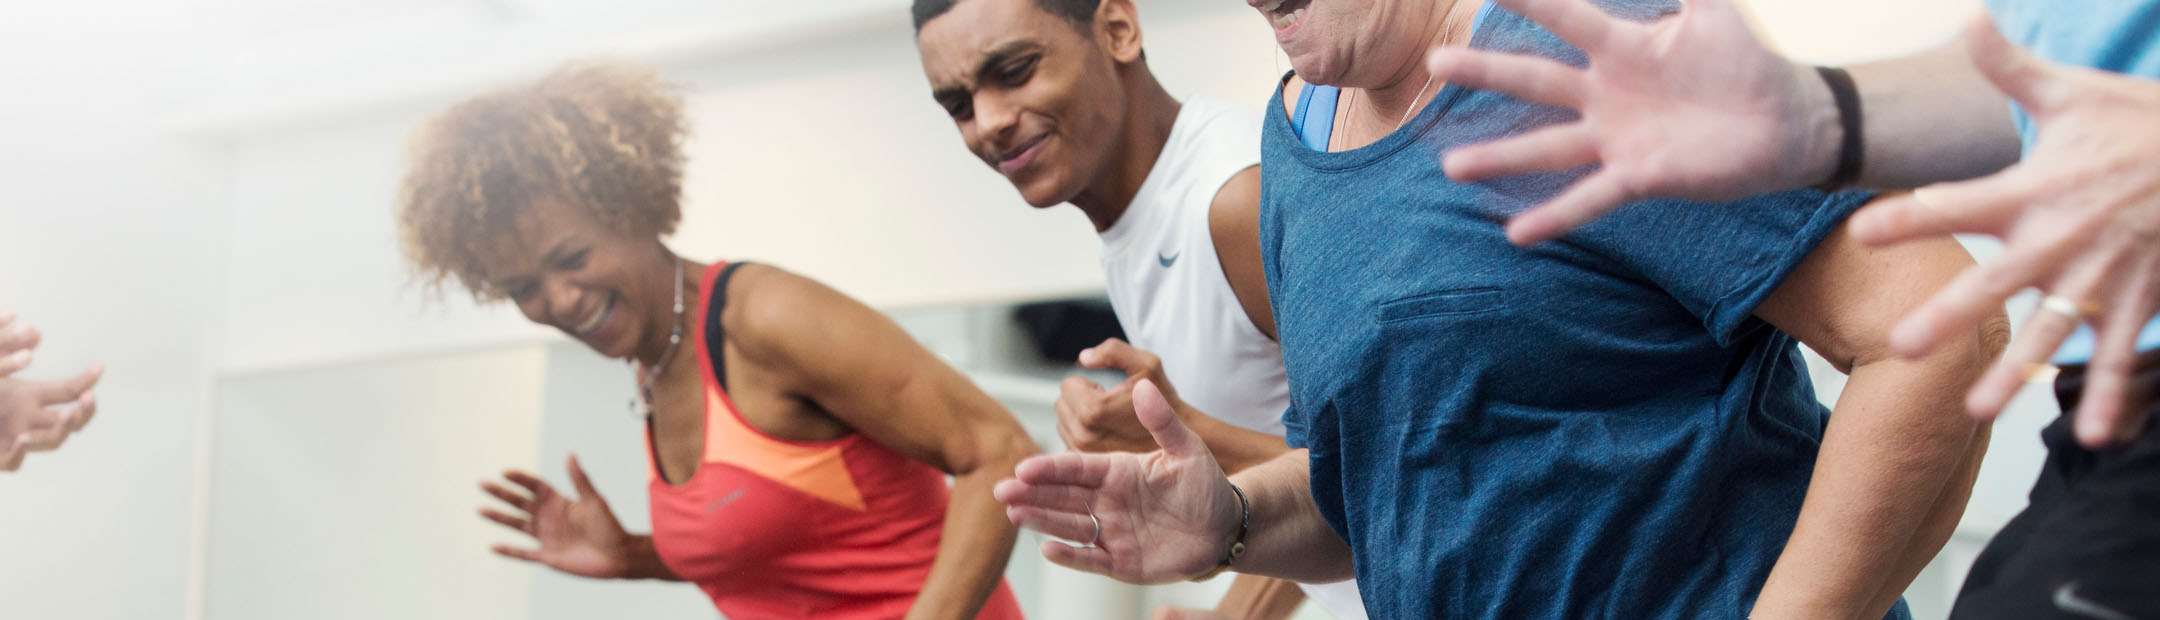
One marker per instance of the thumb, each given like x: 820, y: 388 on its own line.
x: 1163, y: 424
x: 2010, y: 68
x: 584, y: 485
x: 67, y: 390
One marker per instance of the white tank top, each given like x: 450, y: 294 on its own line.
x: 1168, y: 289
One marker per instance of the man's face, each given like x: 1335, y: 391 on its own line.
x: 1034, y: 97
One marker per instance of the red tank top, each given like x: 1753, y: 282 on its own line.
x: 774, y: 528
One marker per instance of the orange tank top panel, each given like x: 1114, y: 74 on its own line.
x: 783, y: 529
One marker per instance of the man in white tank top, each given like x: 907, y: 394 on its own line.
x: 1056, y: 95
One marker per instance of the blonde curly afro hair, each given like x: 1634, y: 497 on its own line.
x: 603, y: 138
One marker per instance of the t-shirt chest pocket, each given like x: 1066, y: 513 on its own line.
x: 1450, y: 302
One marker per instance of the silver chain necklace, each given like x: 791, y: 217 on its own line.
x: 645, y: 373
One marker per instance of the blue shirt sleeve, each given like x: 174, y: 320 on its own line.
x: 1720, y: 261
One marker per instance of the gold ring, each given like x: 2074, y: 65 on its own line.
x: 2041, y: 372
x: 2078, y: 310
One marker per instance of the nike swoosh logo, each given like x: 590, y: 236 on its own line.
x: 724, y: 501
x: 1167, y: 260
x: 2067, y: 599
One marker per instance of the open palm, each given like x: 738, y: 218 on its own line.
x: 2080, y: 220
x: 1165, y: 515
x: 1690, y: 106
x: 577, y: 534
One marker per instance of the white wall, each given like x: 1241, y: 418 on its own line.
x: 348, y: 491
x: 108, y: 242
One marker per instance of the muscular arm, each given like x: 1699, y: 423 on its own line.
x: 867, y: 372
x: 1234, y: 224
x: 1899, y: 455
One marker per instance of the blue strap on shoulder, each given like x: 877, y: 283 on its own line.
x: 1314, y: 116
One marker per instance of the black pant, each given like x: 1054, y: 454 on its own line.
x: 2088, y: 546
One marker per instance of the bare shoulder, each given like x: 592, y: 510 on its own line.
x: 767, y: 306
x: 1237, y: 204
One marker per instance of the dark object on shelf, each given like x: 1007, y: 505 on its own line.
x: 1061, y: 329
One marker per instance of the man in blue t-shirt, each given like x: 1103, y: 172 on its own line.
x: 2067, y: 177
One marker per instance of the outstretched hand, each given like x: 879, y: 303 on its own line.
x: 1150, y: 518
x: 2080, y: 217
x: 36, y: 416
x: 577, y: 534
x: 1691, y: 106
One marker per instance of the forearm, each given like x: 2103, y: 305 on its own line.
x: 643, y: 561
x: 1235, y: 448
x: 1941, y: 524
x: 972, y: 549
x: 1289, y: 539
x: 1253, y: 597
x: 1929, y: 118
x: 1894, y: 460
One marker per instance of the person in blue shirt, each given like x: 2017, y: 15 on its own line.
x: 2047, y: 142
x: 1617, y: 425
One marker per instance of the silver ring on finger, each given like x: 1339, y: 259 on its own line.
x: 1097, y: 536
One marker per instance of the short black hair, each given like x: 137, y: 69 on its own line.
x: 1081, y: 13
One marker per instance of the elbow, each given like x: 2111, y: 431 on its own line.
x: 1009, y: 448
x: 995, y: 454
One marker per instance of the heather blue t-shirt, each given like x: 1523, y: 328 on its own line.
x: 2122, y: 36
x: 1597, y: 427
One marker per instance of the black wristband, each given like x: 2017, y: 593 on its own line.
x: 1237, y: 545
x: 1853, y: 149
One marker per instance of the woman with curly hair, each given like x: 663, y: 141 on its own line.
x: 799, y: 440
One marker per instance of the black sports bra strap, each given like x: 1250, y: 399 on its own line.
x: 715, y: 338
